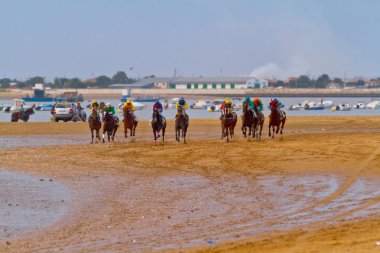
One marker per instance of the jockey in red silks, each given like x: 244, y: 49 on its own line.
x: 158, y: 106
x: 226, y: 104
x: 278, y: 105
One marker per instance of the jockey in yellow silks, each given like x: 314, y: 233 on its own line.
x: 129, y: 106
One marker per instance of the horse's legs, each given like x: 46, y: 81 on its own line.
x: 269, y: 134
x: 163, y: 134
x: 97, y: 134
x: 92, y: 136
x: 104, y: 131
x: 261, y: 128
x: 125, y: 132
x: 155, y: 136
x: 282, y: 125
x: 243, y: 129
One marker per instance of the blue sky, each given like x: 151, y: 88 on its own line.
x: 268, y: 38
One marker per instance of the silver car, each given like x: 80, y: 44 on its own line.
x: 68, y: 112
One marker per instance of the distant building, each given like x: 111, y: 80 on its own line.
x: 209, y: 83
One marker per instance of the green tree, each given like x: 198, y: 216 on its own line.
x: 120, y: 77
x: 324, y: 79
x: 73, y: 83
x: 103, y: 81
x: 5, y: 82
x: 32, y: 81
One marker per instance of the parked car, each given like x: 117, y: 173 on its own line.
x: 68, y: 112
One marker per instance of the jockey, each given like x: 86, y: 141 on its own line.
x: 94, y: 105
x: 226, y: 104
x: 129, y: 106
x: 248, y: 100
x: 183, y: 103
x: 110, y: 109
x: 275, y: 102
x: 258, y: 105
x: 158, y: 106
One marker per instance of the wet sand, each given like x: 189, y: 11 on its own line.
x: 314, y: 190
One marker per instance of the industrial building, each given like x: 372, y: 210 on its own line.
x: 210, y: 83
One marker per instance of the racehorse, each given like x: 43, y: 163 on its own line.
x: 248, y: 119
x: 94, y: 124
x: 275, y: 120
x: 129, y: 123
x: 260, y: 123
x: 158, y: 124
x: 110, y: 126
x: 228, y: 121
x: 22, y: 115
x: 181, y: 123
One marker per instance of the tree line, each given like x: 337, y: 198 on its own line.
x: 120, y: 77
x: 102, y: 81
x: 322, y: 81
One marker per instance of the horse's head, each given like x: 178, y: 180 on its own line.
x: 155, y: 116
x: 245, y: 106
x: 29, y: 111
x: 94, y: 113
x: 180, y: 109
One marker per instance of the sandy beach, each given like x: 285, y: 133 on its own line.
x: 315, y: 189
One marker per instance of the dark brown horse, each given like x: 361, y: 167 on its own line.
x: 248, y: 119
x: 94, y: 124
x: 258, y: 127
x: 181, y: 123
x: 110, y: 126
x: 130, y: 122
x: 158, y: 125
x: 228, y: 121
x: 275, y: 120
x: 22, y: 115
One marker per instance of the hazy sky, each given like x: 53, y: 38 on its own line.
x: 264, y: 38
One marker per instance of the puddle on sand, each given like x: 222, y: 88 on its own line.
x: 26, y: 203
x: 41, y: 140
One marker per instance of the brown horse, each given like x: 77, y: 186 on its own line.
x: 130, y: 122
x: 258, y: 127
x: 158, y: 124
x: 228, y: 121
x: 181, y: 123
x: 275, y: 120
x: 249, y: 120
x: 94, y: 124
x: 110, y: 126
x: 22, y: 115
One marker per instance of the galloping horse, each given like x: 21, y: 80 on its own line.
x: 110, y: 126
x: 260, y: 123
x: 275, y: 120
x: 228, y: 121
x: 158, y: 124
x: 129, y: 123
x: 94, y: 124
x: 22, y: 115
x: 248, y: 119
x: 181, y: 123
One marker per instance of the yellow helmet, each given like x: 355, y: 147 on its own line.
x: 94, y: 101
x: 128, y: 101
x: 227, y: 101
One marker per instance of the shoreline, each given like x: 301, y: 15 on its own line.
x: 170, y: 93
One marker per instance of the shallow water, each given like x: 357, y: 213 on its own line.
x: 145, y: 114
x: 29, y: 202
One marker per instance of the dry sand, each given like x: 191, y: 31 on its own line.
x: 314, y: 190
